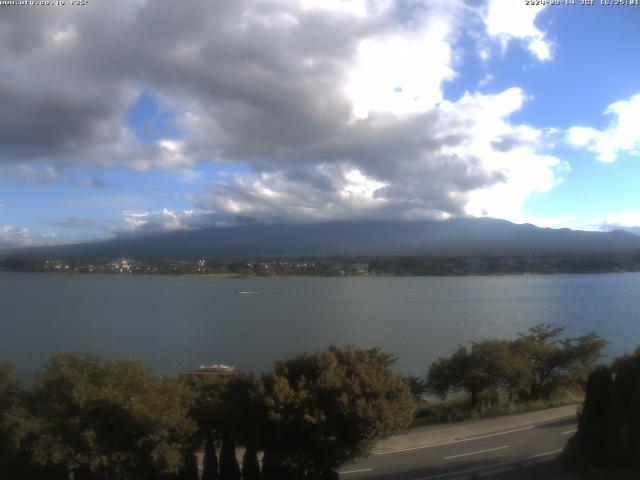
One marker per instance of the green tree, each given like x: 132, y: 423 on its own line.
x: 15, y: 427
x: 555, y: 360
x: 487, y: 364
x: 110, y: 420
x: 327, y: 408
x: 417, y: 387
x: 10, y: 428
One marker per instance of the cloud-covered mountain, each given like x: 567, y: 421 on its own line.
x: 454, y: 236
x: 277, y: 110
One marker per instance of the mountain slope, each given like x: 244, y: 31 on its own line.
x: 455, y: 236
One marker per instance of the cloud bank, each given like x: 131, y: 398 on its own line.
x: 336, y: 108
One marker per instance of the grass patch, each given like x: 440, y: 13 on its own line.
x: 457, y: 409
x: 215, y: 275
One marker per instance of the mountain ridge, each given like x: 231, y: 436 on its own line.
x: 457, y: 236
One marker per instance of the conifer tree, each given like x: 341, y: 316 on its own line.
x: 229, y: 468
x: 210, y: 461
x: 250, y: 465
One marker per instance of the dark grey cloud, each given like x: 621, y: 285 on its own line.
x: 45, y: 124
x: 65, y: 96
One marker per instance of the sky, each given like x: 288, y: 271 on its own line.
x: 125, y: 117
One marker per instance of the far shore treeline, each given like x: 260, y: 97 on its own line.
x: 415, y: 265
x: 85, y: 418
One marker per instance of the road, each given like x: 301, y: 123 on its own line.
x: 508, y: 447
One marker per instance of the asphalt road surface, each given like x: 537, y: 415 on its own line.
x: 521, y: 450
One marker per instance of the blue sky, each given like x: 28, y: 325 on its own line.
x: 138, y: 117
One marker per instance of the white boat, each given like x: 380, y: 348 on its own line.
x: 216, y: 368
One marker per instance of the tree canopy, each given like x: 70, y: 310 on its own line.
x: 96, y: 420
x: 13, y: 419
x: 112, y: 420
x: 555, y: 360
x: 326, y: 408
x: 532, y: 366
x: 487, y: 364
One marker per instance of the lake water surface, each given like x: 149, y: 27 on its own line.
x: 176, y: 323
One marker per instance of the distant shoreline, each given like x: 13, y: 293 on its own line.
x: 230, y: 276
x: 338, y: 266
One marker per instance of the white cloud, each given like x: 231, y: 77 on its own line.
x: 401, y: 72
x: 134, y: 220
x: 511, y: 150
x: 631, y: 219
x: 359, y: 186
x: 487, y: 79
x: 37, y: 173
x: 172, y: 154
x: 16, y: 237
x: 12, y: 237
x: 164, y: 221
x: 624, y: 220
x: 621, y: 135
x: 507, y: 20
x: 189, y: 175
x: 64, y: 34
x: 320, y: 193
x: 540, y: 48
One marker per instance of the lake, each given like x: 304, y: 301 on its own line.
x: 177, y: 323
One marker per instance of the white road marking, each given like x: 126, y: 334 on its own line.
x: 495, y: 465
x: 454, y: 441
x: 477, y: 452
x: 356, y: 471
x: 570, y: 431
x: 468, y: 470
x: 545, y: 454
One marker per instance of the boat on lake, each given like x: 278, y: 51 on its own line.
x: 216, y: 367
x: 212, y: 371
